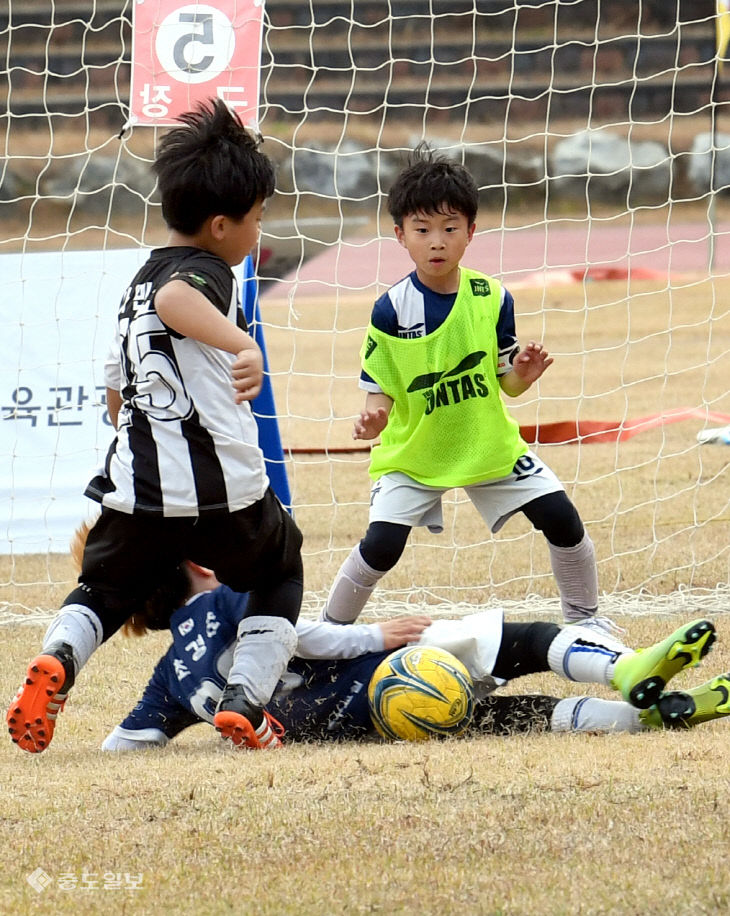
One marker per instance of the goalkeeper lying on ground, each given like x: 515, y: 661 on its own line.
x: 324, y: 692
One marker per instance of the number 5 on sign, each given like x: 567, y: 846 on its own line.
x: 186, y: 52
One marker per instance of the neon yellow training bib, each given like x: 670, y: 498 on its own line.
x: 448, y: 426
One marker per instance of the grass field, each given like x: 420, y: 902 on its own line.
x: 542, y: 824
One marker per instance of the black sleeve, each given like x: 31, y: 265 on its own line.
x: 210, y: 275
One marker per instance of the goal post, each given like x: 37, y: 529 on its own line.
x: 599, y: 138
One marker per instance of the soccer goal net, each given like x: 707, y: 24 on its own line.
x: 596, y: 133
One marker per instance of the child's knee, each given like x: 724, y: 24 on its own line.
x: 558, y: 519
x: 383, y: 544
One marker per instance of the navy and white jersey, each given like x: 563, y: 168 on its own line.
x: 317, y: 697
x: 327, y: 699
x: 323, y: 693
x: 183, y: 446
x: 410, y: 309
x: 189, y: 678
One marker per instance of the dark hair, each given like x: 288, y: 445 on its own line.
x: 156, y: 608
x: 210, y: 166
x: 161, y: 603
x: 431, y: 183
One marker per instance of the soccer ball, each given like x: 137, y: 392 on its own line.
x: 420, y: 692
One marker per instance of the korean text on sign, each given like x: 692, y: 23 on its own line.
x: 184, y: 53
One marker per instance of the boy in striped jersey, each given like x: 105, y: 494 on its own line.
x: 184, y: 476
x: 440, y: 349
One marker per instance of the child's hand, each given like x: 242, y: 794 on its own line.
x: 530, y: 363
x: 401, y: 630
x: 248, y: 374
x: 370, y: 423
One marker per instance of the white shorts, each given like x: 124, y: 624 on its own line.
x: 400, y: 499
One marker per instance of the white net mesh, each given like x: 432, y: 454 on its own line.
x: 595, y: 135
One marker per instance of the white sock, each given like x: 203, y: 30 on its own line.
x: 582, y: 654
x: 78, y: 626
x: 351, y: 589
x: 263, y: 650
x: 576, y: 576
x: 589, y: 714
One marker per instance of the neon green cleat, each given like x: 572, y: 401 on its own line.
x: 687, y: 708
x: 642, y: 675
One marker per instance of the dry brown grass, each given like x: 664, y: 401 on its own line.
x: 545, y: 824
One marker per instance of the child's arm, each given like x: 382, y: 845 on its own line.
x: 374, y: 417
x: 399, y: 631
x: 113, y: 383
x: 113, y: 405
x: 527, y: 367
x: 333, y: 640
x: 191, y: 314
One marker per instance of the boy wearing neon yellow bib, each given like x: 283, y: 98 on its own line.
x: 440, y: 348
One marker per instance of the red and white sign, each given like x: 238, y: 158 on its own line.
x: 184, y: 53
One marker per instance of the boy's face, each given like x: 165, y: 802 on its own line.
x: 436, y: 242
x: 238, y: 238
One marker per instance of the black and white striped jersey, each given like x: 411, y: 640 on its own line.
x: 183, y: 446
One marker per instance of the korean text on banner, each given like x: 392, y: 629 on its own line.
x: 184, y: 53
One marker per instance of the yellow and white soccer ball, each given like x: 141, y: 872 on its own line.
x: 420, y: 692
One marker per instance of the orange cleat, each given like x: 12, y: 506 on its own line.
x: 235, y: 717
x: 31, y: 716
x: 238, y: 729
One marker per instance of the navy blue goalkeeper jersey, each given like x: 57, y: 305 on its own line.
x: 317, y: 698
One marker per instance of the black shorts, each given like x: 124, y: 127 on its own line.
x: 254, y: 548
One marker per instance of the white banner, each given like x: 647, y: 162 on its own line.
x: 59, y: 311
